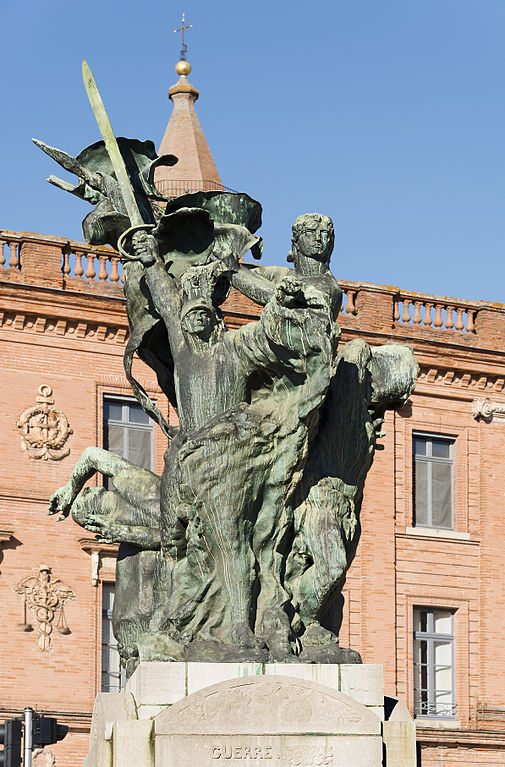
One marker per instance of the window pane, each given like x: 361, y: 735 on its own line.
x: 137, y: 415
x: 443, y: 703
x: 420, y: 652
x: 441, y: 448
x: 442, y: 622
x: 443, y: 680
x: 139, y: 447
x: 421, y: 493
x: 112, y: 676
x: 443, y: 654
x: 441, y: 494
x: 112, y: 411
x: 419, y: 446
x: 420, y: 620
x: 114, y: 439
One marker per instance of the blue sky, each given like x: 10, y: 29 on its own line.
x: 388, y: 116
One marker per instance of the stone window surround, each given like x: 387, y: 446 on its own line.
x: 418, y: 597
x: 424, y: 421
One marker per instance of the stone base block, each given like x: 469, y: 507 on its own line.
x: 175, y: 714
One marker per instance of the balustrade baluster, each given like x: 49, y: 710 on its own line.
x: 438, y: 316
x: 406, y: 310
x: 396, y: 310
x: 90, y: 271
x: 2, y: 257
x: 470, y: 325
x: 114, y: 274
x: 350, y: 307
x: 13, y: 260
x: 78, y: 271
x: 66, y: 263
x: 427, y: 315
x: 417, y: 319
x: 449, y: 322
x: 102, y: 273
x: 459, y: 319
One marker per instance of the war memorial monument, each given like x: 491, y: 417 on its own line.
x: 231, y: 564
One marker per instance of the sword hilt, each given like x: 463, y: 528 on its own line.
x: 121, y: 243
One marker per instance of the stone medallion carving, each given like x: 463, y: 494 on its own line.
x: 488, y: 410
x: 45, y: 598
x: 44, y: 430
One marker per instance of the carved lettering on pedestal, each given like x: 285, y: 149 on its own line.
x: 44, y: 430
x: 301, y: 756
x: 242, y: 752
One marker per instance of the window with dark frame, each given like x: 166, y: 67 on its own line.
x: 433, y: 662
x: 433, y: 481
x: 128, y: 431
x: 113, y: 675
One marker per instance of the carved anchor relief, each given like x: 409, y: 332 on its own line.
x: 44, y: 430
x: 45, y: 598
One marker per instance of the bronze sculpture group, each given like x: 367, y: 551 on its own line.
x: 239, y: 551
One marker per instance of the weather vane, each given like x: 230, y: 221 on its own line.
x: 182, y: 29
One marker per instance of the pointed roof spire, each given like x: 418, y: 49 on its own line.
x: 184, y: 137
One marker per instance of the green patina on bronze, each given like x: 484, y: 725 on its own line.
x: 240, y: 550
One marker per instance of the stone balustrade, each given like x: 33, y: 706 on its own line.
x: 435, y: 312
x: 83, y: 263
x: 56, y: 262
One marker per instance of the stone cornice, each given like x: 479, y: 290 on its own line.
x: 49, y: 325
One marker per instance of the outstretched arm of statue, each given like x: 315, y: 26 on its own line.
x: 92, y: 460
x: 258, y: 283
x: 289, y: 332
x: 162, y: 286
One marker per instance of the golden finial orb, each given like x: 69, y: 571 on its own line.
x: 183, y: 67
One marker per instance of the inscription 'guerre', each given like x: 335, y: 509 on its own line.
x: 242, y: 752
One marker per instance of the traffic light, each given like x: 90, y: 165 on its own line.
x: 10, y: 737
x: 46, y: 730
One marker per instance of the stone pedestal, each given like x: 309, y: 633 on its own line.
x: 292, y: 715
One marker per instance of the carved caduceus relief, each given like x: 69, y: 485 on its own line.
x: 44, y: 430
x: 45, y: 598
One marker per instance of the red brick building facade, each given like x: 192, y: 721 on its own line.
x: 425, y: 596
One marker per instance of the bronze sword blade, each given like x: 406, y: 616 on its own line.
x: 111, y: 146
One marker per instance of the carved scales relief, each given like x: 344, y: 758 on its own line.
x: 45, y: 598
x: 44, y: 430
